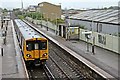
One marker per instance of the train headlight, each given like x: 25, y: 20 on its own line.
x: 45, y: 54
x: 28, y: 55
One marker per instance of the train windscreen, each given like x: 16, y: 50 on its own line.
x: 43, y: 45
x: 29, y: 45
x: 36, y: 45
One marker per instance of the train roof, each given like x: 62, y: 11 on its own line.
x: 27, y: 32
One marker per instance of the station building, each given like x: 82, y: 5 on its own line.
x: 104, y: 25
x: 102, y: 21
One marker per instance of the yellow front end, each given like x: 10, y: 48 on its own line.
x: 36, y: 49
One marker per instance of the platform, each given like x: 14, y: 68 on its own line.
x: 103, y: 58
x: 12, y: 64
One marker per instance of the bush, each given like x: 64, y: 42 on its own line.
x: 21, y: 17
x: 58, y: 21
x: 34, y: 15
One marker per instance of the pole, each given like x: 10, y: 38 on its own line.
x: 93, y: 43
x: 93, y: 46
x: 87, y: 46
x: 6, y: 26
x: 2, y: 25
x: 4, y: 41
x: 2, y: 51
x: 47, y: 23
x: 22, y: 7
x: 41, y: 20
x: 56, y: 25
x: 78, y: 33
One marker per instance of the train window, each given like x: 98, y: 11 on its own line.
x: 29, y: 46
x: 36, y: 46
x: 43, y: 45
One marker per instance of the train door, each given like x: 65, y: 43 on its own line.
x: 36, y: 50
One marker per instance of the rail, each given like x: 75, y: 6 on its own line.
x: 62, y: 71
x: 48, y: 73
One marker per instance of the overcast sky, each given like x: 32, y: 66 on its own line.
x: 78, y: 4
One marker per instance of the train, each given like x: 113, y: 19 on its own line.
x: 34, y: 46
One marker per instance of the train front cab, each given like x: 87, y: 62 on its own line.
x: 36, y: 51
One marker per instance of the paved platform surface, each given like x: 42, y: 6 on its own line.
x: 10, y: 65
x: 105, y: 59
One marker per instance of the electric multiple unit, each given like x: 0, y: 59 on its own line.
x: 34, y: 47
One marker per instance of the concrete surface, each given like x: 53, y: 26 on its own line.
x: 11, y: 59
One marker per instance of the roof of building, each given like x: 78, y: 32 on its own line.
x: 48, y: 3
x: 107, y: 16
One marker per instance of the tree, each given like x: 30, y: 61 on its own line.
x: 5, y: 10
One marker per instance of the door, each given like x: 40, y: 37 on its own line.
x: 36, y: 50
x: 59, y: 30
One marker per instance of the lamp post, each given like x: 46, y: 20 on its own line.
x: 68, y: 30
x: 56, y: 25
x: 119, y: 28
x: 93, y: 38
x: 41, y: 20
x: 47, y: 23
x: 88, y: 37
x: 22, y: 6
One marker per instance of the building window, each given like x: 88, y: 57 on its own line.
x: 97, y: 27
x: 102, y: 39
x: 41, y: 5
x: 72, y: 30
x: 91, y: 28
x: 100, y: 27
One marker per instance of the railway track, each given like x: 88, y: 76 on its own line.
x: 40, y: 72
x: 69, y: 67
x: 72, y: 65
x: 48, y: 73
x: 64, y: 75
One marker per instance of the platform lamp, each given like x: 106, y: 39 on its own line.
x: 41, y: 19
x: 118, y: 27
x: 56, y: 24
x: 22, y: 6
x: 93, y: 37
x: 47, y: 22
x: 88, y: 36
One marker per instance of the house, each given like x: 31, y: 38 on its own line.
x: 49, y: 10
